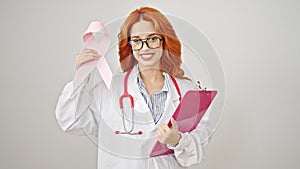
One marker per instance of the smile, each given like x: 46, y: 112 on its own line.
x: 146, y: 56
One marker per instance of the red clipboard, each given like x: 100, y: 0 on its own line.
x: 188, y: 115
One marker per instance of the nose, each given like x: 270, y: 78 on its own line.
x: 145, y: 45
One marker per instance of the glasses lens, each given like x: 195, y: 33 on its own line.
x: 136, y: 44
x: 153, y: 42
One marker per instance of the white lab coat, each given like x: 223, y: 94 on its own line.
x: 93, y: 110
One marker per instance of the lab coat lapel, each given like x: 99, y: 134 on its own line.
x: 142, y: 113
x: 170, y: 105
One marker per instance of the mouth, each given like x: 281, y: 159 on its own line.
x: 146, y: 56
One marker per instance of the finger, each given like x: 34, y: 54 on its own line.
x: 157, y: 133
x: 88, y: 51
x: 87, y: 57
x: 161, y: 138
x: 174, y: 124
x: 97, y: 55
x: 87, y: 54
x: 80, y: 61
x: 165, y: 127
x: 80, y: 57
x: 161, y: 131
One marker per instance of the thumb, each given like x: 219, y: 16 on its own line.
x: 174, y: 124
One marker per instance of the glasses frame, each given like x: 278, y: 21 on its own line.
x: 146, y: 41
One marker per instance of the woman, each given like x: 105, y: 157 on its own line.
x: 150, y: 56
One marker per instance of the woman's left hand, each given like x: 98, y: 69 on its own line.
x: 167, y: 135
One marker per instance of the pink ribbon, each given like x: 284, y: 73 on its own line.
x: 90, y: 42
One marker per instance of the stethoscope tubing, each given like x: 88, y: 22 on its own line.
x: 127, y: 95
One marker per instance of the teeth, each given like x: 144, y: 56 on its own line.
x: 146, y: 56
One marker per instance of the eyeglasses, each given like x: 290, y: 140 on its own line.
x: 151, y: 42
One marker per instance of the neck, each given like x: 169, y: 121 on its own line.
x: 151, y: 75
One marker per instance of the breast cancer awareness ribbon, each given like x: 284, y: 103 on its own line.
x: 101, y: 64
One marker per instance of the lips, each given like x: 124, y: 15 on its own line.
x: 146, y: 56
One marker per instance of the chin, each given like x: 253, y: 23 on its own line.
x: 145, y: 65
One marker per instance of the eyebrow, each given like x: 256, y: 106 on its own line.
x: 147, y: 35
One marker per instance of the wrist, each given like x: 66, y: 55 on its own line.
x: 177, y: 139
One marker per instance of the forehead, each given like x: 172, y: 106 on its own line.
x: 142, y: 28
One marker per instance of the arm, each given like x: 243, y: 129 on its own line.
x: 192, y: 145
x: 76, y: 111
x: 189, y: 148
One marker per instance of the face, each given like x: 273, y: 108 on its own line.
x: 146, y: 57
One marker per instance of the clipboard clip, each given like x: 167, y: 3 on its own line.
x: 199, y: 86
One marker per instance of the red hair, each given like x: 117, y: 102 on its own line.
x: 171, y: 59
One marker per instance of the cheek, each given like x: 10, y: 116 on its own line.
x: 160, y: 53
x: 135, y: 55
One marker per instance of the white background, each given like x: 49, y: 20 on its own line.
x: 258, y: 45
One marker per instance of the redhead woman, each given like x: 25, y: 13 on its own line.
x: 150, y: 85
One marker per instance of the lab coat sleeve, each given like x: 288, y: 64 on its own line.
x: 76, y: 110
x: 192, y: 146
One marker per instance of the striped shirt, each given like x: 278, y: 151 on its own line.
x: 157, y: 104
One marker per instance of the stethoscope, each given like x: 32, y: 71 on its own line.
x: 127, y: 95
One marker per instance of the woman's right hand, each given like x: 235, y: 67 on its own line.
x: 84, y: 56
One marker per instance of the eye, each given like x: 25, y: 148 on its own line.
x: 136, y: 40
x: 153, y: 38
